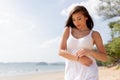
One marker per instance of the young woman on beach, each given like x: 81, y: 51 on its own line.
x: 77, y: 44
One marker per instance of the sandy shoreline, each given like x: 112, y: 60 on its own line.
x: 104, y: 74
x: 109, y: 73
x: 36, y: 76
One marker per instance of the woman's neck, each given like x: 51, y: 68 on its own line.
x: 83, y: 29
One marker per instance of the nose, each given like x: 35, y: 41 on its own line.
x: 76, y: 22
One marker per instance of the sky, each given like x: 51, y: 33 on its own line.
x: 30, y: 30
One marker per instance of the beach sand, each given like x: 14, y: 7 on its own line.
x: 109, y: 73
x: 104, y: 74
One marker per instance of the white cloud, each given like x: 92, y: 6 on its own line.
x: 65, y: 12
x: 16, y: 35
x: 20, y: 37
x: 50, y: 43
x: 91, y: 6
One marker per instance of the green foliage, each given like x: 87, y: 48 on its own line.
x: 109, y: 9
x: 114, y: 47
x: 109, y: 62
x: 115, y: 28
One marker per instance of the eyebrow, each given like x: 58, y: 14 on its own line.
x: 77, y: 17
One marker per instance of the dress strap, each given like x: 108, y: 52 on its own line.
x: 91, y: 32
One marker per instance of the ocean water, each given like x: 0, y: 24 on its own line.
x: 9, y: 69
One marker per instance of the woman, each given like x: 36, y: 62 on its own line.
x: 77, y: 44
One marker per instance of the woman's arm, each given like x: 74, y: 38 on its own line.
x: 64, y: 53
x: 101, y: 53
x: 63, y: 45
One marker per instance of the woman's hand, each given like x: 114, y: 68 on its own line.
x: 82, y: 57
x: 83, y: 52
x: 85, y: 60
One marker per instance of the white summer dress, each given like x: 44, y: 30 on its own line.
x: 75, y: 70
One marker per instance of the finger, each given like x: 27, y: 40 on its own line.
x: 82, y: 53
x: 77, y: 53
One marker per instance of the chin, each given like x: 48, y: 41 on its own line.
x: 78, y: 27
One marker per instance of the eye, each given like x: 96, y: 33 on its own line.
x: 79, y: 18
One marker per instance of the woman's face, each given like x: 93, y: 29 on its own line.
x: 79, y: 20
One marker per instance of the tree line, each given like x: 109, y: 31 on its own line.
x: 109, y: 9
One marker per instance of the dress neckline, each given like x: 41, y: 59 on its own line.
x: 80, y: 37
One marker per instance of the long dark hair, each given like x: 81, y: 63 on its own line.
x: 83, y: 10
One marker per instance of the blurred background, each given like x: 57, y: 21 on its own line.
x: 30, y: 31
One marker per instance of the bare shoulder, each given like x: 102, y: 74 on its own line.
x: 66, y: 32
x: 96, y: 34
x: 66, y: 29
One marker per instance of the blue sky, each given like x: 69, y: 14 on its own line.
x: 30, y: 30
